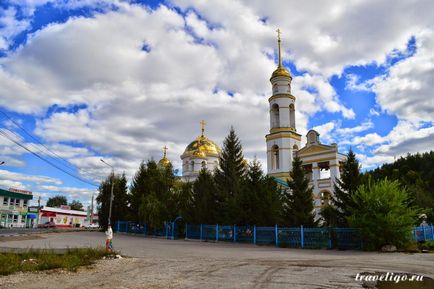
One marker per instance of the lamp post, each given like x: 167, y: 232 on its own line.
x: 111, y: 194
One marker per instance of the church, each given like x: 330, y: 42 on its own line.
x: 321, y: 162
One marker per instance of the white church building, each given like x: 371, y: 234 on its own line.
x: 321, y: 162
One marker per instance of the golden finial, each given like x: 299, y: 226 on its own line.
x: 203, y: 123
x: 278, y: 44
x: 165, y: 151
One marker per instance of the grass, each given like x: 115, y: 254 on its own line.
x: 44, y: 260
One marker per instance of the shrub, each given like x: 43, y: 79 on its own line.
x: 383, y: 213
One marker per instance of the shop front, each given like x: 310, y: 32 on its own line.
x: 62, y: 218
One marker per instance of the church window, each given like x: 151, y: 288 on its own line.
x: 275, y: 118
x: 294, y: 151
x: 192, y: 166
x: 325, y: 198
x: 292, y: 116
x: 324, y: 170
x: 308, y: 171
x: 275, y: 157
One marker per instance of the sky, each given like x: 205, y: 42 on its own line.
x: 82, y: 80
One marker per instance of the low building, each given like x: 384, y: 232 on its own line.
x: 13, y: 208
x: 62, y: 217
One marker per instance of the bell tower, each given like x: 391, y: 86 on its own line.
x: 283, y: 141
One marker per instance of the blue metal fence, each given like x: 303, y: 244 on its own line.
x: 425, y: 233
x: 315, y: 238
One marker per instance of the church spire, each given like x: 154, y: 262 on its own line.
x: 280, y: 70
x: 278, y: 45
x: 202, y: 124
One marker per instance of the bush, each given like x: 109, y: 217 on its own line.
x: 47, y: 259
x: 383, y: 213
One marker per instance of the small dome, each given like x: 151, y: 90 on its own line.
x: 281, y: 71
x: 201, y: 147
x: 164, y: 162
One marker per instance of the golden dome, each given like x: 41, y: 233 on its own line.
x: 201, y: 147
x: 164, y: 162
x: 281, y: 71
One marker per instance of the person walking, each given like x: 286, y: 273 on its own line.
x: 108, y: 241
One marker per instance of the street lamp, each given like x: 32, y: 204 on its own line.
x: 111, y: 194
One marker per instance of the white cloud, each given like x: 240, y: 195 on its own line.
x: 135, y: 102
x: 406, y: 90
x: 8, y: 175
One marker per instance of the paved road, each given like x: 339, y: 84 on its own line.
x: 159, y: 263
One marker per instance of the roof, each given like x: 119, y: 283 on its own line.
x: 63, y: 211
x: 281, y: 182
x: 15, y: 195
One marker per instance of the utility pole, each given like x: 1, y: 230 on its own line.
x: 111, y: 194
x: 39, y: 208
x: 91, y: 211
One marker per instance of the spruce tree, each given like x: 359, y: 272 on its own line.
x: 298, y: 208
x: 344, y: 189
x: 205, y: 199
x: 259, y: 200
x: 228, y: 177
x: 120, y: 204
x: 152, y: 179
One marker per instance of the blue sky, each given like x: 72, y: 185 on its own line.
x: 120, y: 79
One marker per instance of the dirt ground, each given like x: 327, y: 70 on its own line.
x: 158, y: 263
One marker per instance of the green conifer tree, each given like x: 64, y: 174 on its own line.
x: 120, y: 204
x: 344, y: 188
x: 205, y: 199
x: 298, y: 209
x: 228, y: 177
x: 259, y: 201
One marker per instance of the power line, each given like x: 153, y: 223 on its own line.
x: 3, y: 133
x: 56, y: 156
x: 35, y: 139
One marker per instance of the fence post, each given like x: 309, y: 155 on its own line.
x: 254, y: 234
x: 276, y: 233
x: 432, y: 233
x: 145, y: 229
x: 424, y: 233
x: 302, y: 236
x: 235, y: 233
x: 173, y: 230
x: 118, y: 225
x: 330, y: 237
x: 167, y: 229
x: 217, y: 232
x: 201, y: 232
x: 415, y: 233
x: 186, y: 232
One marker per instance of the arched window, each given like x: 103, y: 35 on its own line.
x: 325, y: 198
x: 292, y: 115
x: 203, y: 164
x: 192, y: 166
x: 275, y: 157
x: 275, y: 119
x: 294, y: 151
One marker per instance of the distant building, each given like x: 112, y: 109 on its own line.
x: 62, y: 218
x: 13, y: 208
